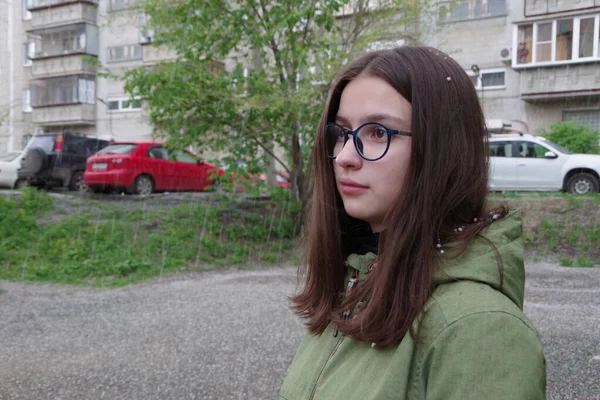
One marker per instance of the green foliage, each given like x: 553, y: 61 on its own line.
x: 115, y: 246
x: 577, y: 138
x: 35, y: 202
x: 284, y: 55
x: 566, y: 262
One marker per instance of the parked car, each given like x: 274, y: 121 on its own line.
x: 9, y: 164
x: 528, y: 162
x: 58, y: 159
x: 145, y: 168
x: 282, y: 178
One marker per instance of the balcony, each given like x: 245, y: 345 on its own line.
x: 60, y: 50
x: 70, y: 114
x: 560, y: 82
x: 65, y: 100
x: 56, y: 66
x: 535, y: 8
x: 46, y: 13
x: 154, y: 54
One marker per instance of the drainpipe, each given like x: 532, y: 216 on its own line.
x: 11, y: 79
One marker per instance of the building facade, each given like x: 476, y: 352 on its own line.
x: 538, y: 61
x: 49, y: 63
x: 533, y: 63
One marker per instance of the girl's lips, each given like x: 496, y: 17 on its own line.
x: 350, y: 187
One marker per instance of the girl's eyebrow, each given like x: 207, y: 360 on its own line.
x: 370, y: 118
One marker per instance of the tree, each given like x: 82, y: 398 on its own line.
x: 284, y: 54
x: 577, y: 138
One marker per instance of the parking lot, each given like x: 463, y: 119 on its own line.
x: 229, y: 335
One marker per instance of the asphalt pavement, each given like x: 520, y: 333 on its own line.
x: 230, y: 335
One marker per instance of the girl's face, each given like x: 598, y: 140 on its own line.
x: 369, y: 188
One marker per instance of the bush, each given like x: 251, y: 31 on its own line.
x: 577, y: 138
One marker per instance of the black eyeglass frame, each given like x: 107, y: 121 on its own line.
x: 354, y: 133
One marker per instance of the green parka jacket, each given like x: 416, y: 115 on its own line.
x: 476, y: 343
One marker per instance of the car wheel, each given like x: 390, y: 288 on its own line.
x: 143, y: 185
x: 583, y: 183
x: 77, y: 183
x: 21, y: 183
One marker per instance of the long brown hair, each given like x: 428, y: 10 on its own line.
x: 446, y: 186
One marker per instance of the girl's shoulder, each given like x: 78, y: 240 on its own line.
x: 468, y: 306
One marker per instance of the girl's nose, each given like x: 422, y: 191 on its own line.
x: 349, y: 157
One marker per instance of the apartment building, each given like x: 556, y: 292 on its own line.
x: 47, y: 82
x: 533, y: 62
x: 537, y: 61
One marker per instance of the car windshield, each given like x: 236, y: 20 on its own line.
x: 557, y: 146
x: 125, y: 148
x: 45, y: 143
x: 9, y: 156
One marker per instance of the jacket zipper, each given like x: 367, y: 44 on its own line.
x: 312, y: 396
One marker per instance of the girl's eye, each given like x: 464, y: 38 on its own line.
x: 380, y: 133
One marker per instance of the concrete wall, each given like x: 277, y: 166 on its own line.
x: 118, y: 28
x: 540, y: 115
x: 480, y: 42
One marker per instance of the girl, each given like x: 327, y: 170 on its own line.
x: 413, y: 287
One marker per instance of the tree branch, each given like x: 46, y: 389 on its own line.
x: 269, y: 152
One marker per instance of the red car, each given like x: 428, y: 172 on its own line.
x: 144, y: 168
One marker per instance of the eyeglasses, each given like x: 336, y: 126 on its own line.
x: 371, y: 140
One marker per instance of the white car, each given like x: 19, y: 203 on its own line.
x: 9, y: 164
x: 528, y: 162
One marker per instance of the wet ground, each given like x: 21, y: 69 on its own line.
x: 230, y: 335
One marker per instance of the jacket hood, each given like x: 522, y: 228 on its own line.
x: 481, y: 262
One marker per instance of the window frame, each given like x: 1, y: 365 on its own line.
x: 130, y: 58
x: 579, y: 110
x: 479, y: 85
x: 575, y: 46
x: 121, y: 100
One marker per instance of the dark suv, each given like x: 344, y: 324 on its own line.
x: 58, y: 159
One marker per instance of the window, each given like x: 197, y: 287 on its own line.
x: 118, y: 149
x: 590, y: 118
x: 28, y: 53
x: 26, y: 101
x: 184, y: 157
x: 116, y: 5
x: 544, y: 42
x: 26, y: 12
x: 125, y: 53
x: 524, y: 47
x: 158, y: 152
x: 586, y: 37
x: 74, y: 89
x: 501, y: 149
x: 471, y: 9
x: 531, y: 150
x: 489, y: 79
x: 564, y: 39
x: 125, y: 104
x: 558, y: 41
